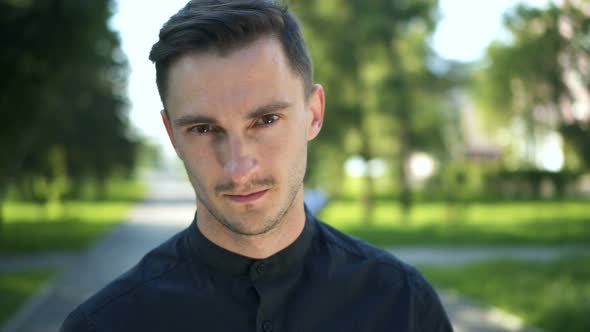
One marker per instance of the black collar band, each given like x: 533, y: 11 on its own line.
x: 226, y: 261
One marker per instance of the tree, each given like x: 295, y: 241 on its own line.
x: 62, y: 92
x: 373, y: 57
x: 541, y: 76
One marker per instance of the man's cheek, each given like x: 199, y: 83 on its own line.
x: 278, y: 143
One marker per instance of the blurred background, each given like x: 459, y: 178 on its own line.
x: 452, y: 126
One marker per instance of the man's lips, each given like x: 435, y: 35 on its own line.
x: 246, y: 198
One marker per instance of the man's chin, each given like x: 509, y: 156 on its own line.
x: 248, y: 229
x: 250, y: 223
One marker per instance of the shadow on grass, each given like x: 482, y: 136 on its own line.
x: 170, y: 201
x: 16, y: 287
x: 573, y: 231
x: 389, y: 198
x: 25, y: 237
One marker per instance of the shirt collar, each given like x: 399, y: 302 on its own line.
x: 226, y: 261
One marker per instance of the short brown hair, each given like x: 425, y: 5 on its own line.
x: 225, y: 25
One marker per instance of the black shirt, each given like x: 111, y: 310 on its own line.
x: 324, y: 281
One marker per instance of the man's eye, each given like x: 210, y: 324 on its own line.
x: 202, y: 129
x: 266, y: 120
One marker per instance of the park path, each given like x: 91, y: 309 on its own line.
x: 468, y: 254
x: 169, y: 209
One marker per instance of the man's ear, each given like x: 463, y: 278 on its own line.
x: 316, y: 107
x: 168, y: 125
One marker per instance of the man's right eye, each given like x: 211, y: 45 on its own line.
x: 202, y: 129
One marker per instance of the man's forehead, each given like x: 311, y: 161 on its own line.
x: 245, y: 79
x: 266, y: 46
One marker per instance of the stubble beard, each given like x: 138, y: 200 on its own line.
x: 294, y: 185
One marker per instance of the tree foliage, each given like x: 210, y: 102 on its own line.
x: 62, y: 95
x: 541, y: 75
x: 384, y: 100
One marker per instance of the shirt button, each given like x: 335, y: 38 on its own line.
x: 260, y: 268
x: 267, y: 326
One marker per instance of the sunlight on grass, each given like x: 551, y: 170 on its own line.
x: 17, y: 287
x: 29, y: 237
x: 541, y: 222
x: 87, y: 211
x: 27, y: 229
x: 554, y: 296
x: 30, y: 227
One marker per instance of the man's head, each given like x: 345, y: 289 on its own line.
x: 224, y: 26
x: 235, y: 79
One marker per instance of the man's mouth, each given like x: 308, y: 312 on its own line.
x: 247, y: 197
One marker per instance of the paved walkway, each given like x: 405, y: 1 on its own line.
x: 170, y: 209
x: 468, y: 254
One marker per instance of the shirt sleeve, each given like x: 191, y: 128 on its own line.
x: 76, y: 322
x: 429, y: 313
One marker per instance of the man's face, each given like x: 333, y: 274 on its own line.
x: 240, y: 123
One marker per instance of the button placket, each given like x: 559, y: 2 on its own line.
x: 267, y: 326
x: 258, y: 270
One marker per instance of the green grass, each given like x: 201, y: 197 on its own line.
x: 493, y: 223
x: 553, y: 296
x: 17, y: 287
x: 28, y: 229
x: 125, y: 190
x: 72, y: 225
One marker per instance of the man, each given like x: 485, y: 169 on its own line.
x: 235, y: 79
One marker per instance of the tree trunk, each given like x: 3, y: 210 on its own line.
x: 2, y: 217
x: 405, y: 194
x: 403, y: 115
x: 366, y: 197
x: 101, y: 188
x: 403, y: 110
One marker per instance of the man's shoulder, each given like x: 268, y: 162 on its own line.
x: 357, y: 248
x: 155, y: 267
x: 385, y: 263
x: 389, y: 276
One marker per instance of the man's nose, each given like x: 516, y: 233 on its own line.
x: 240, y: 163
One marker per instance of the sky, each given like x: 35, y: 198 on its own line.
x: 465, y: 29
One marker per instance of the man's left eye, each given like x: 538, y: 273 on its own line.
x: 266, y: 120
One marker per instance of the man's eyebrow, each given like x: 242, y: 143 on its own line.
x: 186, y: 120
x: 272, y: 107
x: 192, y: 119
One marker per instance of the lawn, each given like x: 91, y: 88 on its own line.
x: 553, y: 296
x: 17, y: 287
x: 493, y: 223
x: 72, y: 225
